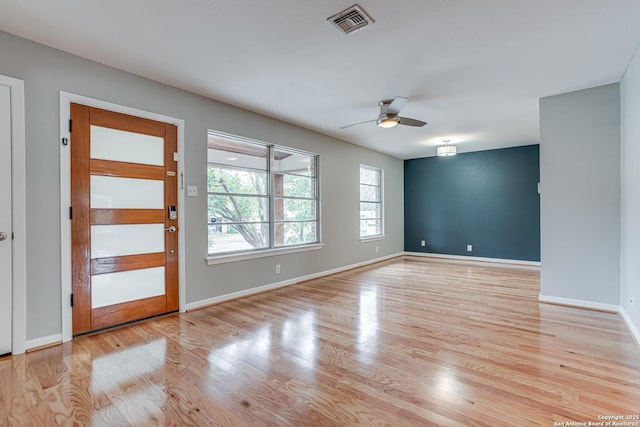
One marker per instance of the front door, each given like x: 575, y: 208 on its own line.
x: 124, y: 243
x: 6, y: 280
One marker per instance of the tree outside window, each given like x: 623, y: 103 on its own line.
x: 259, y: 196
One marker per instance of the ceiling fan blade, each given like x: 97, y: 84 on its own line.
x: 396, y: 105
x: 359, y: 123
x: 411, y: 122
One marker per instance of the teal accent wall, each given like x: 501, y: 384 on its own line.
x: 487, y: 199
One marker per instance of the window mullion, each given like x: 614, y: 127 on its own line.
x: 271, y: 192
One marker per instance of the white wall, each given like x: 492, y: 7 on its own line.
x: 580, y: 198
x: 630, y: 194
x: 47, y: 71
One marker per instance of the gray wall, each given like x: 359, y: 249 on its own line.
x: 488, y: 199
x: 580, y: 200
x: 47, y: 71
x: 630, y: 208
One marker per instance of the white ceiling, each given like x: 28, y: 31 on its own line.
x: 473, y: 69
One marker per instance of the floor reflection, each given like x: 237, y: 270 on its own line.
x: 368, y: 324
x: 298, y: 336
x: 127, y: 366
x: 131, y: 382
x: 255, y: 348
x: 446, y: 385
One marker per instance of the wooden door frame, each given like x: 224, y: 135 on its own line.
x: 65, y: 196
x: 19, y: 213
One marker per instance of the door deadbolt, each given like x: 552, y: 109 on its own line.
x: 171, y: 229
x: 3, y: 236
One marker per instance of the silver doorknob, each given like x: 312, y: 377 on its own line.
x: 3, y: 236
x: 171, y: 229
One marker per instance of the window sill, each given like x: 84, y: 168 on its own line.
x: 372, y: 238
x: 221, y: 259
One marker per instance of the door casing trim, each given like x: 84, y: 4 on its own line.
x: 18, y: 215
x: 65, y: 197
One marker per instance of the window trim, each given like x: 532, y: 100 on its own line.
x: 262, y: 253
x: 381, y: 235
x: 272, y: 249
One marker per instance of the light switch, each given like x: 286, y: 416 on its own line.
x: 192, y: 190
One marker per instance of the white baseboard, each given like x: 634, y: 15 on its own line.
x: 43, y: 342
x: 590, y: 305
x: 240, y: 294
x: 578, y: 303
x: 635, y: 332
x: 269, y: 287
x: 490, y: 262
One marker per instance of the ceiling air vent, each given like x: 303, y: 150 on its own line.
x: 351, y: 19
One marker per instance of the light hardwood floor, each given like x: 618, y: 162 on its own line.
x: 406, y: 342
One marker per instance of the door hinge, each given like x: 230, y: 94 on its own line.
x: 70, y: 212
x: 69, y: 125
x: 71, y: 300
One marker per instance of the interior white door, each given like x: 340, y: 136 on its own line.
x: 6, y: 281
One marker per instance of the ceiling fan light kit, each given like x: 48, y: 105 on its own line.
x: 388, y: 122
x: 446, y: 150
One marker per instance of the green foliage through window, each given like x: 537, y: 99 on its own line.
x: 259, y: 196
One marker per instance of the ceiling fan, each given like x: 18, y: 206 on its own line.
x: 388, y: 117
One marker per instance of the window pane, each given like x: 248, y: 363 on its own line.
x: 369, y: 176
x: 111, y: 192
x: 123, y: 146
x: 370, y: 210
x: 237, y: 153
x: 124, y: 286
x: 370, y: 227
x: 247, y: 182
x: 294, y: 186
x: 294, y: 209
x: 294, y: 163
x: 225, y: 180
x: 229, y: 238
x: 295, y: 233
x: 369, y: 193
x: 238, y: 209
x: 126, y: 239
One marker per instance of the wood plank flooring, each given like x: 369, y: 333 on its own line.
x: 407, y: 342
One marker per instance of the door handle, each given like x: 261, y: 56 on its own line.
x: 3, y: 236
x: 171, y: 229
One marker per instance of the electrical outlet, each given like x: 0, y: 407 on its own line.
x: 277, y: 268
x: 423, y: 243
x: 469, y: 248
x: 377, y: 249
x: 631, y: 299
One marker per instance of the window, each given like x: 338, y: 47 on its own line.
x: 260, y: 196
x: 371, y: 210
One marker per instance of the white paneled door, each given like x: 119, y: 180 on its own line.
x: 6, y: 280
x: 124, y: 218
